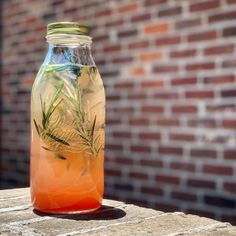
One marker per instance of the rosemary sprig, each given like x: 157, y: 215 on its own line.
x: 85, y: 130
x: 71, y: 96
x: 44, y: 130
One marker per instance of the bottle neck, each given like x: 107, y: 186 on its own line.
x: 69, y: 49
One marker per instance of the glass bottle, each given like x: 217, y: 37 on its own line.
x: 67, y: 125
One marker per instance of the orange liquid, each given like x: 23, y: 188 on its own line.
x: 71, y: 185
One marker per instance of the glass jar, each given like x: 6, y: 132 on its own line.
x: 67, y: 125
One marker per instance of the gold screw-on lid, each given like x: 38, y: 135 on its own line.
x: 68, y: 28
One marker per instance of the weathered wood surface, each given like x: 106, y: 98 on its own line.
x: 115, y: 218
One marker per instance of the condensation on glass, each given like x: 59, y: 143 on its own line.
x: 67, y: 125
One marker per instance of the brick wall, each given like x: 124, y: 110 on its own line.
x: 169, y: 71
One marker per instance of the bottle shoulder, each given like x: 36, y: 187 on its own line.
x: 68, y: 73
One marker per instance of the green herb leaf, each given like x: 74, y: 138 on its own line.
x: 55, y: 138
x: 93, y: 127
x: 36, y: 126
x: 47, y: 149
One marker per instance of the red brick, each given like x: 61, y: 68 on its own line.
x: 170, y: 150
x: 150, y: 56
x: 203, y: 153
x: 27, y: 82
x: 230, y: 155
x: 152, y: 109
x: 140, y: 148
x: 221, y: 107
x: 113, y: 147
x: 124, y: 85
x: 182, y: 137
x: 166, y: 95
x: 183, y: 81
x: 101, y: 62
x: 189, y: 23
x: 157, y: 28
x: 70, y: 10
x: 201, y: 183
x: 114, y: 23
x: 124, y: 186
x: 138, y: 71
x: 204, y: 6
x: 165, y: 68
x: 101, y: 38
x: 137, y: 96
x: 112, y: 172
x: 229, y: 123
x: 110, y: 73
x: 171, y: 11
x: 103, y: 13
x: 217, y: 169
x: 167, y: 179
x: 200, y: 66
x: 219, y: 79
x: 149, y: 135
x: 217, y: 139
x: 202, y: 36
x: 151, y: 84
x: 183, y: 53
x: 203, y: 123
x: 183, y: 166
x: 200, y: 94
x: 222, y: 16
x: 122, y: 59
x: 230, y: 187
x: 124, y: 110
x: 139, y: 122
x: 31, y: 41
x: 218, y: 50
x: 124, y: 160
x: 138, y: 175
x: 230, y: 63
x: 219, y: 200
x: 169, y: 40
x: 168, y: 122
x: 231, y: 1
x: 17, y: 13
x: 57, y: 3
x: 183, y: 109
x: 122, y: 134
x: 149, y: 3
x: 152, y: 190
x: 151, y: 163
x: 127, y: 33
x: 113, y: 97
x: 228, y: 93
x: 184, y: 196
x: 140, y: 17
x: 229, y: 31
x: 138, y: 44
x: 112, y: 48
x: 126, y: 8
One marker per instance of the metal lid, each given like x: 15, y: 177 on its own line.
x: 68, y: 28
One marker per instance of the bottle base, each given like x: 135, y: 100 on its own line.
x: 68, y: 212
